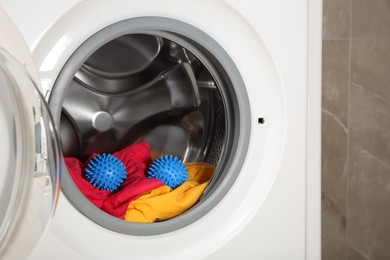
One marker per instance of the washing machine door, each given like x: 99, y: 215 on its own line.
x: 29, y: 171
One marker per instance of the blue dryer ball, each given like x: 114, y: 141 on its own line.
x: 106, y: 172
x: 170, y: 170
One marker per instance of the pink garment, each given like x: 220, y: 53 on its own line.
x: 136, y: 158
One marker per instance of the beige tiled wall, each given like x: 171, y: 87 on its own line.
x: 356, y: 130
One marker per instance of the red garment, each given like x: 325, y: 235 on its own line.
x: 136, y: 158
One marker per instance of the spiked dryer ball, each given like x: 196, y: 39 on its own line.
x: 170, y: 170
x: 106, y: 172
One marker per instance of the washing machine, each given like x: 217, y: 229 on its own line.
x: 228, y: 83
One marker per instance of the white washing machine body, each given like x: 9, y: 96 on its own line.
x: 269, y: 207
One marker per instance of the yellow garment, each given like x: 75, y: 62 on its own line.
x: 164, y: 203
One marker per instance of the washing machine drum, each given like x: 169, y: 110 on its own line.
x: 141, y: 87
x: 129, y: 84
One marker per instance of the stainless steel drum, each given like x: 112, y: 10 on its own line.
x: 158, y: 80
x: 141, y: 87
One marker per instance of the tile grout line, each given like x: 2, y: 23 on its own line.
x: 349, y: 132
x: 336, y: 39
x: 371, y: 38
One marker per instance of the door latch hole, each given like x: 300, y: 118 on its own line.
x: 261, y: 120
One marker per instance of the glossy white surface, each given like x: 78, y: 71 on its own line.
x: 281, y: 229
x: 264, y: 215
x: 33, y: 17
x: 266, y: 141
x: 15, y: 44
x: 25, y: 172
x: 314, y: 97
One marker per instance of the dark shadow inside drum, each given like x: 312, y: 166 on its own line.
x: 156, y: 80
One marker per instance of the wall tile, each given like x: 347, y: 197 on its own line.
x: 356, y: 136
x: 334, y: 232
x: 368, y: 207
x: 353, y: 254
x: 335, y: 77
x: 334, y: 181
x: 370, y: 123
x: 334, y: 161
x: 371, y: 18
x: 370, y: 63
x: 336, y: 18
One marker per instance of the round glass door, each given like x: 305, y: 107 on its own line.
x: 30, y: 170
x: 142, y: 95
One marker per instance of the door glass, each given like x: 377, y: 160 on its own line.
x: 29, y: 152
x: 150, y: 88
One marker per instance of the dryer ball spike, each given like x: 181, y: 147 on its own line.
x: 170, y: 170
x: 106, y: 172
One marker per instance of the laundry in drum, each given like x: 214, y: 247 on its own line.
x: 120, y: 184
x: 163, y: 203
